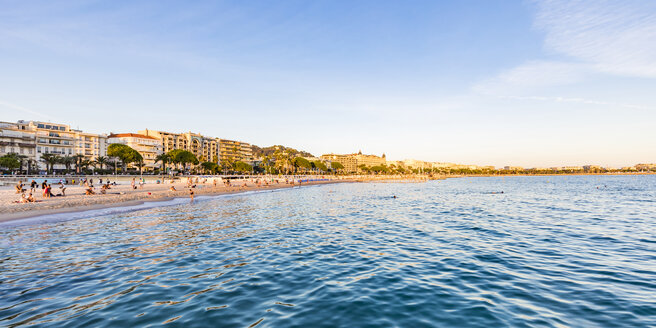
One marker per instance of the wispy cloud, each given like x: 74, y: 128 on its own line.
x: 617, y: 37
x: 531, y: 76
x: 594, y: 37
x: 578, y: 101
x: 23, y: 109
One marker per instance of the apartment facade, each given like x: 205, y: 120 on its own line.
x: 148, y: 147
x: 90, y: 145
x: 206, y: 149
x: 231, y: 150
x: 34, y: 139
x: 352, y: 162
x: 17, y: 141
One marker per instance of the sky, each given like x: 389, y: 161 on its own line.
x: 526, y: 83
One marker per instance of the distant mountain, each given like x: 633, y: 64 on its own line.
x: 268, y: 151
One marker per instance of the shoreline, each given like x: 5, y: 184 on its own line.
x: 143, y: 198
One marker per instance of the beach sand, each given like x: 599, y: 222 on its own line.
x: 122, y: 195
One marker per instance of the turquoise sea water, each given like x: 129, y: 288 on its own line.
x: 569, y: 251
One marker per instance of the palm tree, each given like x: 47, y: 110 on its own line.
x: 50, y: 160
x: 78, y: 160
x: 140, y: 164
x: 21, y: 160
x: 85, y: 163
x: 102, y: 161
x: 68, y: 161
x: 164, y: 158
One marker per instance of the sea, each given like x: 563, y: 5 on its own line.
x: 526, y: 251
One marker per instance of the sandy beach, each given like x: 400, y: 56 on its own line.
x: 120, y: 195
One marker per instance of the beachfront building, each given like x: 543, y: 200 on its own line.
x: 90, y: 145
x: 645, y: 167
x: 17, y: 141
x: 34, y: 139
x: 233, y: 151
x: 352, y: 162
x: 148, y: 147
x: 205, y: 148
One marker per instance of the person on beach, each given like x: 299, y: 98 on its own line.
x: 33, y: 186
x: 44, y: 184
x: 48, y: 191
x: 89, y: 191
x: 19, y: 187
x: 132, y: 184
x: 31, y: 199
x: 23, y: 199
x: 172, y: 188
x: 191, y: 194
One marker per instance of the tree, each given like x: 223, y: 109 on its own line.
x: 209, y: 167
x: 379, y: 169
x: 10, y: 161
x: 300, y: 162
x: 68, y: 161
x: 85, y: 163
x: 50, y: 160
x: 320, y: 166
x: 164, y: 158
x: 78, y: 159
x: 102, y: 161
x: 243, y: 167
x: 336, y: 166
x: 183, y: 157
x: 125, y: 153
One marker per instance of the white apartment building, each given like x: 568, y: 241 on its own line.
x: 35, y: 138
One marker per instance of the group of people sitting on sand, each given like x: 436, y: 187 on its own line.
x: 28, y: 199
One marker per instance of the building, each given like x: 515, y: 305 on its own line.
x: 34, y: 139
x: 645, y: 167
x: 13, y: 139
x: 148, y: 147
x: 352, y: 162
x: 206, y: 149
x: 90, y: 145
x: 231, y: 150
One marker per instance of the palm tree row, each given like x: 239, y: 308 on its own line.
x: 80, y: 162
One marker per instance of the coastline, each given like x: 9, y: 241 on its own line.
x: 77, y: 203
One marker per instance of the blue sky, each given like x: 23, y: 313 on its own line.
x: 532, y: 83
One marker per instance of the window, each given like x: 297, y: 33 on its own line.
x: 41, y: 126
x: 61, y: 128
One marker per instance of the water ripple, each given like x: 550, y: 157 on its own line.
x: 548, y: 252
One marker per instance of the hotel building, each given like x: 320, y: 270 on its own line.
x: 352, y: 162
x: 148, y: 147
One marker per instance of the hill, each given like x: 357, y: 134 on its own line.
x: 268, y: 151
